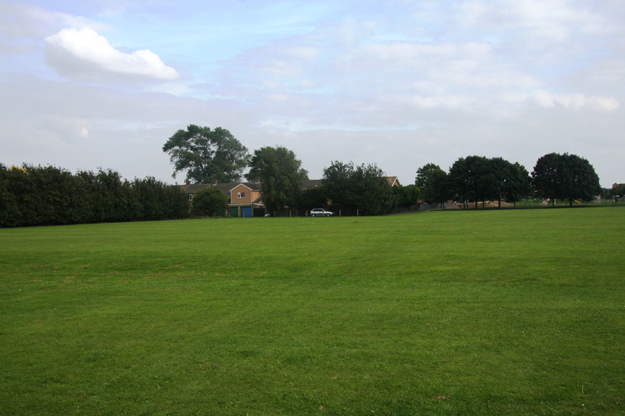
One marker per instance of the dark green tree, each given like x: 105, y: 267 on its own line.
x: 478, y: 178
x: 371, y: 190
x: 496, y: 178
x: 547, y: 177
x: 362, y: 187
x: 407, y: 195
x: 207, y: 155
x: 458, y: 181
x: 579, y: 179
x: 312, y: 198
x: 618, y: 190
x: 518, y: 184
x: 337, y: 184
x: 429, y: 180
x: 209, y: 202
x: 565, y: 176
x: 438, y: 188
x: 281, y: 176
x: 424, y: 174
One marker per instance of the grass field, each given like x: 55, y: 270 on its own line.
x: 441, y: 313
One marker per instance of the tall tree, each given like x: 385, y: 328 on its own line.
x: 496, y: 179
x: 478, y: 178
x: 207, y: 155
x: 337, y: 183
x: 281, y: 176
x: 547, y: 177
x: 374, y: 195
x: 458, y: 181
x: 362, y: 187
x: 565, y: 176
x: 434, y: 184
x: 518, y: 185
x: 424, y: 173
x: 579, y: 180
x: 407, y: 195
x: 439, y: 191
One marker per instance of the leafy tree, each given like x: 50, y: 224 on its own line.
x: 209, y: 202
x: 579, y: 179
x: 430, y: 181
x: 618, y: 190
x: 458, y: 180
x: 207, y: 155
x: 565, y: 176
x: 438, y: 188
x: 312, y: 198
x: 496, y: 178
x: 424, y: 173
x: 547, y: 177
x: 362, y: 187
x: 478, y: 178
x: 518, y: 185
x: 407, y: 195
x: 371, y: 190
x: 281, y: 176
x: 337, y: 184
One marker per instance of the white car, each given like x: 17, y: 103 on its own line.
x: 320, y: 212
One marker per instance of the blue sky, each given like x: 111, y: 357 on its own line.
x: 87, y: 84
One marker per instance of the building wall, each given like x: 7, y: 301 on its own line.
x: 234, y: 200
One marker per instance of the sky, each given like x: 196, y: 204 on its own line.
x: 105, y: 83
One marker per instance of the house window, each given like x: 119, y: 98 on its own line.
x: 241, y: 195
x: 190, y: 197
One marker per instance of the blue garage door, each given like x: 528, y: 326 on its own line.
x: 246, y: 211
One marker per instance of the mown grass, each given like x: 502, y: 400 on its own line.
x: 442, y: 313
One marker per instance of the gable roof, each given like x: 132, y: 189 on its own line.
x: 311, y: 183
x: 392, y: 180
x: 223, y: 187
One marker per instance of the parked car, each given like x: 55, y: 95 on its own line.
x: 320, y: 212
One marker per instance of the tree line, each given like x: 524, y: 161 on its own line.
x: 35, y: 195
x: 480, y: 179
x: 217, y: 156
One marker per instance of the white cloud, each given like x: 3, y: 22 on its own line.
x: 84, y: 46
x: 551, y: 21
x: 574, y: 101
x: 19, y: 20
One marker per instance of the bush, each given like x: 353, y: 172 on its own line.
x: 49, y: 196
x: 209, y: 203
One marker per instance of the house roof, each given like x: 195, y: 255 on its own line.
x: 223, y: 187
x: 392, y: 180
x: 311, y: 183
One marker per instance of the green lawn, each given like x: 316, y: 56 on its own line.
x: 441, y: 313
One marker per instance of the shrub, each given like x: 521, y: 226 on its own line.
x: 209, y: 203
